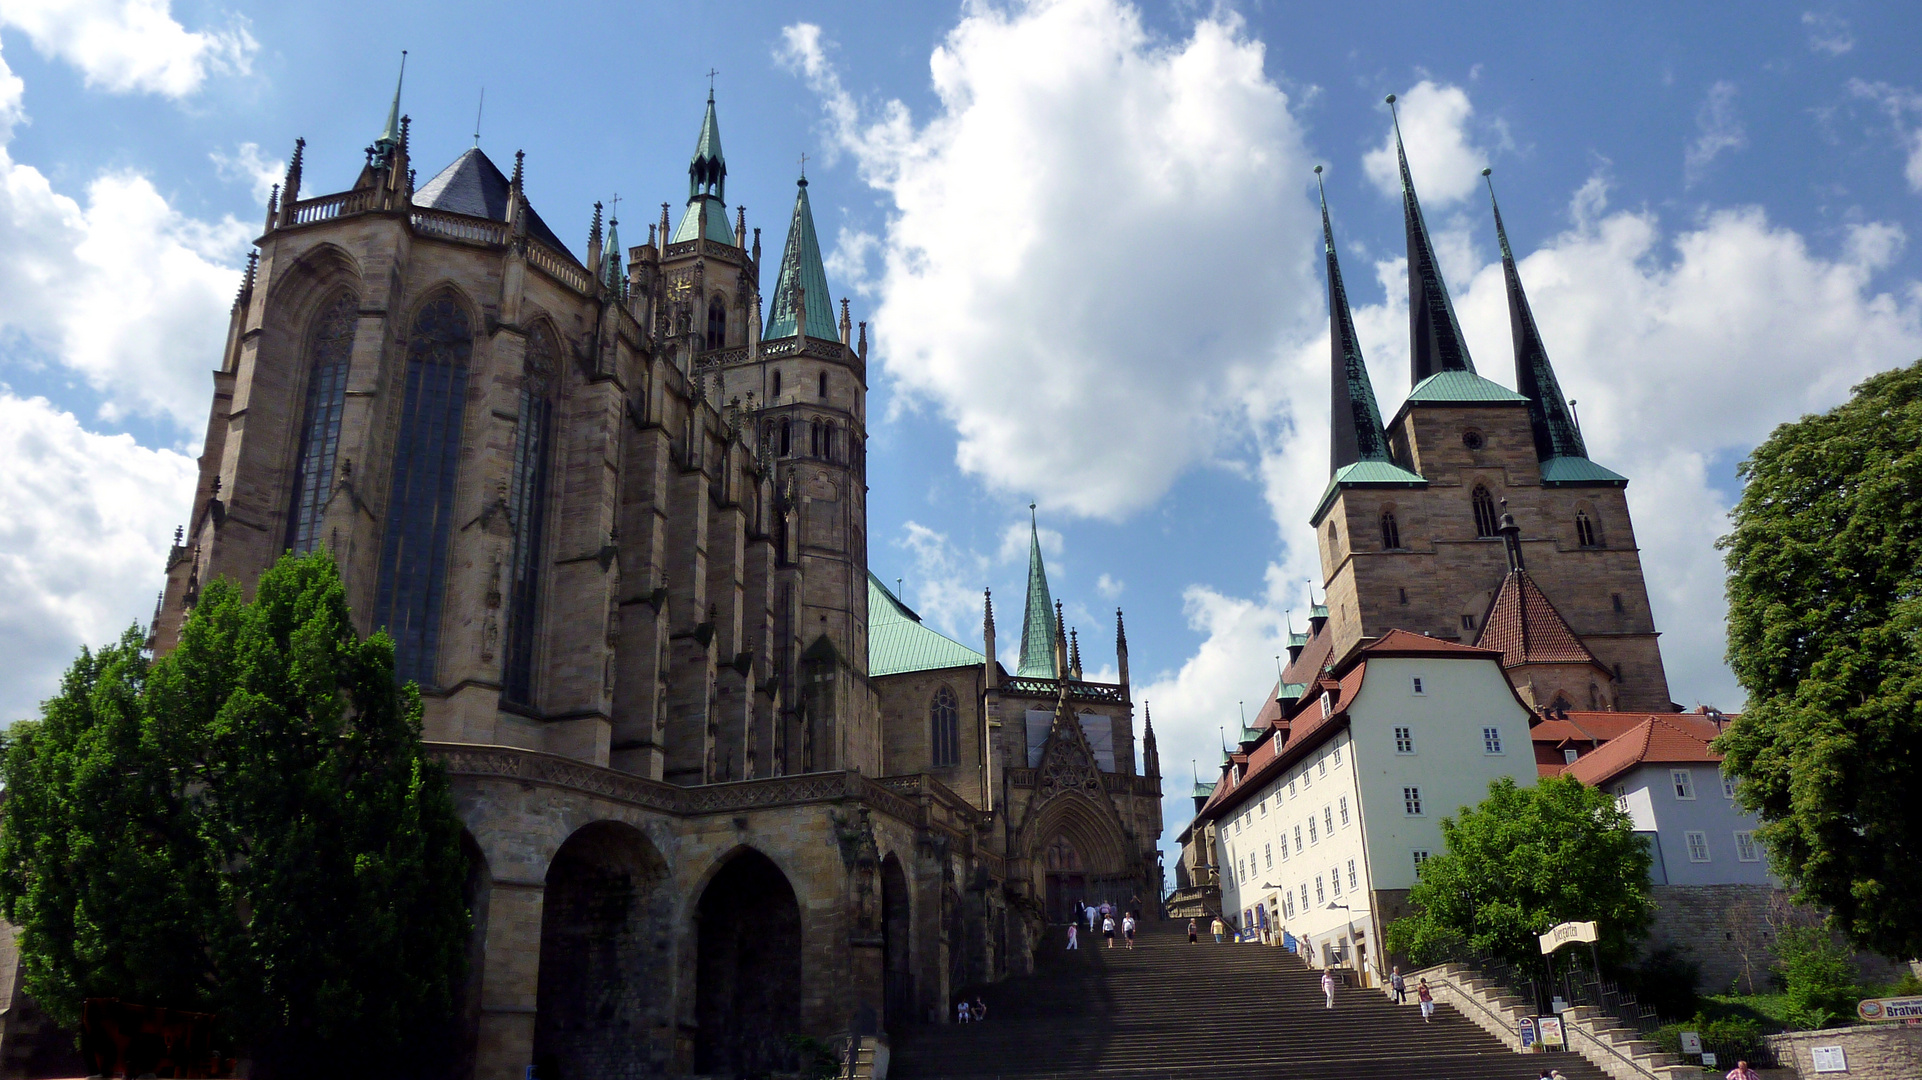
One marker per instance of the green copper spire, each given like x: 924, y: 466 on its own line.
x: 1037, y: 623
x: 1555, y: 432
x: 802, y: 279
x: 1435, y: 337
x: 1354, y: 418
x: 390, y: 135
x: 706, y: 213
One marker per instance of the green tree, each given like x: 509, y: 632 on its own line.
x: 1523, y: 861
x: 247, y: 825
x: 1825, y: 634
x: 1818, y: 976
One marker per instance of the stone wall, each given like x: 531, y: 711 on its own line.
x: 1729, y: 931
x: 30, y: 1043
x: 1871, y: 1052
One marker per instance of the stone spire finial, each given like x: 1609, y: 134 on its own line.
x: 273, y: 208
x: 847, y: 327
x: 291, y: 186
x: 246, y: 292
x: 594, y: 238
x: 861, y: 348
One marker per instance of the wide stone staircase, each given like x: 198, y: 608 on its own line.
x: 1201, y: 1012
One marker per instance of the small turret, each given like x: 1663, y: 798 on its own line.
x: 1060, y: 643
x: 1074, y: 655
x: 290, y: 188
x: 992, y: 668
x: 594, y: 238
x: 847, y: 328
x: 1121, y: 648
x: 862, y: 348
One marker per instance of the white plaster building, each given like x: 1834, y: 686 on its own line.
x: 1325, y: 815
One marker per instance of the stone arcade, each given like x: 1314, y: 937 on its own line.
x: 613, y: 514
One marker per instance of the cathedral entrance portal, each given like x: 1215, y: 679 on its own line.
x: 747, y: 993
x: 600, y: 976
x: 1067, y: 880
x: 896, y: 960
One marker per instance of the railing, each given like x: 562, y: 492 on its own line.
x: 1077, y: 691
x: 448, y: 226
x: 559, y: 267
x: 704, y: 246
x: 328, y: 207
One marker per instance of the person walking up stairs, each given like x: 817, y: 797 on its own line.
x: 1164, y: 1010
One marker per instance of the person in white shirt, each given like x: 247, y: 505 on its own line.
x: 1328, y: 986
x: 1107, y: 929
x: 1128, y: 929
x: 962, y: 1014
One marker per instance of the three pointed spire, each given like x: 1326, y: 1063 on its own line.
x: 1435, y: 337
x: 1037, y: 622
x: 706, y: 213
x: 1354, y: 417
x: 1548, y: 413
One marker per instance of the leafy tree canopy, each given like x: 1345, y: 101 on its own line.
x: 1525, y: 860
x: 1825, y: 634
x: 246, y: 826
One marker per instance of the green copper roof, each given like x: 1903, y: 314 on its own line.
x: 1463, y: 387
x: 1579, y: 471
x: 1318, y: 611
x: 1249, y: 734
x: 718, y: 229
x: 801, y: 266
x: 1367, y: 474
x: 390, y: 135
x: 1202, y: 790
x: 898, y: 642
x: 1296, y: 637
x: 1291, y: 690
x: 1037, y: 621
x: 610, y: 268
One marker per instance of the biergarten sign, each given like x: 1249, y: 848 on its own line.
x: 1568, y: 933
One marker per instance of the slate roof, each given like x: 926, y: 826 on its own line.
x: 1658, y: 740
x: 1525, y: 628
x: 898, y: 641
x: 471, y: 185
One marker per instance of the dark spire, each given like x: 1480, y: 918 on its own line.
x: 390, y: 134
x: 1354, y: 418
x: 1435, y: 341
x: 1548, y: 412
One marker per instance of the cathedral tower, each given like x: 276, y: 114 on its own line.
x: 1410, y: 528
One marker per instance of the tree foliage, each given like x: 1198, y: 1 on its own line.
x: 1825, y: 634
x: 1525, y: 860
x: 246, y: 826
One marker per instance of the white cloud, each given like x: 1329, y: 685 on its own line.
x: 1067, y: 143
x: 130, y: 45
x: 946, y: 583
x: 1442, y: 158
x: 1109, y: 587
x: 85, y: 524
x: 1828, y: 33
x: 249, y: 166
x: 1901, y: 103
x: 124, y: 290
x: 1016, y: 542
x: 1720, y: 130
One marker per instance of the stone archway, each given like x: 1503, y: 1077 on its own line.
x: 1067, y: 878
x: 896, y: 960
x: 601, y: 978
x: 1077, y: 850
x: 476, y: 890
x: 747, y: 983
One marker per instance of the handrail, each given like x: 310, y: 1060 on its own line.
x: 1569, y: 1030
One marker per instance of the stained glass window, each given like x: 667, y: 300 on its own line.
x: 420, y: 503
x: 526, y: 509
x: 330, y: 346
x: 945, y: 717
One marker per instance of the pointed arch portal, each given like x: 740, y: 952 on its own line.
x: 747, y: 987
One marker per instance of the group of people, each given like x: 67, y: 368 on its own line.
x: 1104, y: 917
x: 966, y: 1012
x: 1400, y: 988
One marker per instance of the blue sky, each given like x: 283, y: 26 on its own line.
x: 1084, y: 234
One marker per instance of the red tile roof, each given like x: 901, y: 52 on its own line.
x: 1657, y: 740
x: 1406, y: 643
x: 1526, y: 629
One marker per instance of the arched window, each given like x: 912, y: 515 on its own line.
x: 1586, y: 534
x: 1485, y: 520
x: 944, y: 718
x: 526, y: 509
x: 1334, y: 536
x: 787, y: 441
x: 824, y: 385
x: 420, y: 503
x: 1390, y: 531
x: 716, y: 322
x: 330, y: 346
x: 777, y: 385
x: 814, y: 438
x: 828, y: 431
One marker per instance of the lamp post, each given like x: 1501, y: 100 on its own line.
x: 1350, y: 926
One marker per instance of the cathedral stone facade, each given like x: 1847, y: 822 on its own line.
x: 612, y: 511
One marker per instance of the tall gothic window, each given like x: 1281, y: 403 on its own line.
x: 777, y: 385
x: 330, y: 345
x: 420, y: 504
x: 1390, y: 531
x: 787, y: 442
x: 1585, y: 532
x: 716, y: 323
x: 824, y: 385
x: 1485, y: 521
x: 814, y: 438
x: 944, y: 717
x: 526, y: 509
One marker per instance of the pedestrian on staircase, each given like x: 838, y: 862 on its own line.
x: 962, y: 1014
x: 1427, y: 999
x: 1128, y: 929
x: 1107, y: 929
x: 1741, y: 1071
x: 1073, y: 929
x: 1396, y: 984
x: 1092, y: 913
x: 1218, y: 928
x: 1192, y: 932
x: 980, y: 1011
x: 1328, y: 986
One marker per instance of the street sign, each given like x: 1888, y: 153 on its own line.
x: 1709, y: 1061
x: 1552, y: 1033
x: 1902, y: 1008
x: 1691, y: 1042
x: 1567, y: 933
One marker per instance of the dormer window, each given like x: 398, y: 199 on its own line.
x: 1327, y: 703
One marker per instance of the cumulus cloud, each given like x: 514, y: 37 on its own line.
x: 1442, y: 155
x: 1828, y: 32
x: 85, y: 524
x: 946, y: 582
x: 247, y: 165
x: 130, y: 45
x: 1069, y: 150
x: 1904, y: 107
x: 121, y: 288
x: 1719, y: 130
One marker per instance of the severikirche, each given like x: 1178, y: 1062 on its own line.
x: 720, y: 786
